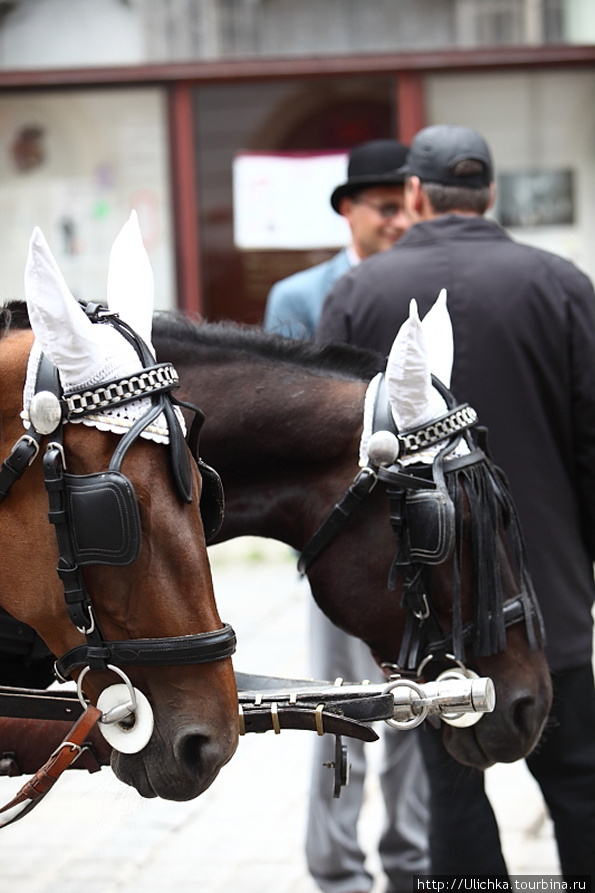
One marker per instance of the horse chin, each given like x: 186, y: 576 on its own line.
x: 155, y: 772
x: 482, y: 745
x: 463, y: 745
x: 131, y: 770
x: 149, y: 779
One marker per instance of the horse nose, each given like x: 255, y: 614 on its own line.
x: 202, y: 755
x: 527, y: 717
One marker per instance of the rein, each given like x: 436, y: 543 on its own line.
x: 44, y: 779
x: 266, y: 703
x: 426, y: 513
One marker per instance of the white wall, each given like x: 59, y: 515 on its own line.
x: 100, y: 154
x: 537, y: 121
x: 71, y: 34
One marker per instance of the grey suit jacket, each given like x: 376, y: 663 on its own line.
x: 294, y: 304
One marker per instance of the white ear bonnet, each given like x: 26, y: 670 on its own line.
x: 87, y: 354
x: 421, y: 348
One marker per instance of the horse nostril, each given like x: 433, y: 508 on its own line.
x: 522, y: 713
x: 189, y: 749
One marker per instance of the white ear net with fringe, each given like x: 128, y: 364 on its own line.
x: 439, y: 339
x: 130, y: 282
x: 413, y: 399
x: 419, y: 349
x: 87, y: 354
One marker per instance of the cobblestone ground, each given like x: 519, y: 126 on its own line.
x: 94, y: 835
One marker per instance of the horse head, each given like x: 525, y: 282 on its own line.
x: 132, y: 602
x: 285, y: 439
x: 466, y: 598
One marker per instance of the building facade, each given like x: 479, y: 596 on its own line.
x: 158, y: 105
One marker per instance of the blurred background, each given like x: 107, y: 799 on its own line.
x: 204, y: 114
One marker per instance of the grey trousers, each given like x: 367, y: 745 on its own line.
x: 334, y: 856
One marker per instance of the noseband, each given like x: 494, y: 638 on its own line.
x: 96, y: 516
x: 426, y: 515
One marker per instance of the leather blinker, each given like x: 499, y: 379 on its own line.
x: 212, y: 500
x: 430, y: 525
x: 104, y: 518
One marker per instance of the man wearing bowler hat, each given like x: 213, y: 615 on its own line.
x: 372, y: 202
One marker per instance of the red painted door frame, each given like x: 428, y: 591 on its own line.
x: 185, y: 198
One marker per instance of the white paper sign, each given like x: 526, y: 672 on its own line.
x: 283, y: 200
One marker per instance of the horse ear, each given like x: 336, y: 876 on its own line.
x: 412, y: 398
x: 439, y: 338
x: 84, y: 353
x: 59, y: 323
x: 130, y: 283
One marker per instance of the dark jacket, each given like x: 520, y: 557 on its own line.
x: 524, y: 330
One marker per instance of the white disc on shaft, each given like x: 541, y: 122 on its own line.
x: 132, y: 733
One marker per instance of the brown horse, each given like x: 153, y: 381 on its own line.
x: 152, y: 616
x: 283, y: 425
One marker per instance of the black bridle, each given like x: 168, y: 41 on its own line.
x: 96, y: 515
x: 426, y: 515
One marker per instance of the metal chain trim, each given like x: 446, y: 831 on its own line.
x: 461, y: 418
x: 159, y: 378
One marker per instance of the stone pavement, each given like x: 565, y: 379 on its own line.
x: 94, y: 835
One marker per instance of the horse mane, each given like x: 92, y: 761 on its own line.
x: 229, y: 341
x: 13, y: 315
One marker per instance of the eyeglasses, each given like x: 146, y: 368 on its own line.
x: 386, y: 211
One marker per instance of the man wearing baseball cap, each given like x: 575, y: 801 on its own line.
x: 524, y: 335
x: 372, y: 202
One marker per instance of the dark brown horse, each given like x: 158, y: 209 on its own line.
x: 154, y: 603
x: 283, y: 425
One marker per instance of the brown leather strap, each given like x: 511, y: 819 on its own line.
x: 65, y: 754
x: 25, y: 744
x: 272, y: 716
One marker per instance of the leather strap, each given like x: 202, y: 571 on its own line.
x: 194, y: 649
x: 363, y: 484
x: 25, y: 744
x: 44, y: 779
x: 274, y: 716
x: 33, y: 703
x: 27, y: 447
x: 22, y: 454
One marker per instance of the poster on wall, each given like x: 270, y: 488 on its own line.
x: 535, y: 198
x: 282, y: 200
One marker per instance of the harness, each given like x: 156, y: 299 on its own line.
x: 422, y: 515
x: 96, y: 516
x: 266, y: 703
x: 426, y: 515
x: 97, y: 521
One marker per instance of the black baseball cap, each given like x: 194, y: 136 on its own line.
x: 437, y: 149
x: 376, y: 163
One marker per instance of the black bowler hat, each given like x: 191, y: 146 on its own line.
x: 436, y: 150
x: 375, y: 163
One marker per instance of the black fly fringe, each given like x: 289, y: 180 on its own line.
x: 491, y: 513
x: 458, y: 641
x: 532, y: 613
